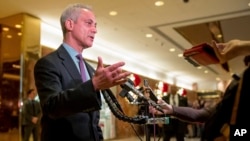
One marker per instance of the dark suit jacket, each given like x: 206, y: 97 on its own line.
x: 28, y: 113
x: 70, y: 107
x: 182, y: 125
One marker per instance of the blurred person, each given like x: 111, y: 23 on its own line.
x: 70, y: 98
x: 31, y: 113
x: 215, y: 116
x: 175, y: 127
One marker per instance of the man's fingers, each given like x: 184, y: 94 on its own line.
x: 99, y: 63
x: 115, y: 66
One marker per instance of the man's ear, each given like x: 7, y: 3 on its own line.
x: 69, y: 24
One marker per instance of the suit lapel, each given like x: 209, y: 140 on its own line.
x: 68, y: 63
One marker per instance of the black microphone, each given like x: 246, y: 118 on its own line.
x: 125, y: 93
x: 130, y: 87
x: 150, y: 91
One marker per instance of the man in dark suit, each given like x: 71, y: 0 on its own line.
x: 31, y: 113
x: 175, y: 127
x: 69, y: 92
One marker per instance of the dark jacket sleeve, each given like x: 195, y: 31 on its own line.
x: 192, y: 115
x: 59, y: 94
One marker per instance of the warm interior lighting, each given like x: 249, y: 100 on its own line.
x: 180, y: 55
x: 149, y: 35
x: 5, y: 29
x: 18, y: 26
x: 159, y: 3
x: 9, y: 36
x: 218, y: 79
x: 172, y: 49
x: 113, y: 13
x: 219, y: 36
x: 16, y: 66
x: 11, y: 76
x: 199, y: 67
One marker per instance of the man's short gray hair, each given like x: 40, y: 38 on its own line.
x: 72, y: 12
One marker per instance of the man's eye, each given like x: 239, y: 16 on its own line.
x: 89, y: 23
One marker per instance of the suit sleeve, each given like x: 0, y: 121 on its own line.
x: 59, y: 94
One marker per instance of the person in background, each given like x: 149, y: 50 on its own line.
x: 68, y: 86
x: 31, y: 113
x: 175, y: 127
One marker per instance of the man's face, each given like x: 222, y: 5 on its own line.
x: 84, y: 29
x: 173, y: 89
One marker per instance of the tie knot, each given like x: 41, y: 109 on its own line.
x: 79, y: 56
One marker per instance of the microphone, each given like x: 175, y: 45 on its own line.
x: 129, y: 86
x: 125, y: 93
x: 150, y: 91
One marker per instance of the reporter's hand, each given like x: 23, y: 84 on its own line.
x: 106, y: 77
x: 227, y: 51
x: 167, y: 108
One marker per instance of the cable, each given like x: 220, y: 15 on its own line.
x: 117, y: 110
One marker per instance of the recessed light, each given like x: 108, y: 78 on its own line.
x: 18, y: 26
x: 218, y: 79
x: 149, y: 35
x: 9, y: 36
x: 172, y: 49
x: 159, y: 3
x: 199, y: 67
x: 113, y: 13
x: 5, y: 29
x: 180, y: 55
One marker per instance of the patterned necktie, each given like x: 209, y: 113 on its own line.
x: 82, y: 68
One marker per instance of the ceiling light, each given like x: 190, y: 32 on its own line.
x: 149, y: 35
x: 180, y: 55
x: 199, y: 67
x: 18, y: 26
x: 5, y: 29
x: 9, y: 36
x: 172, y: 49
x: 159, y: 3
x: 113, y: 13
x: 206, y: 71
x: 218, y: 79
x: 19, y: 33
x: 219, y: 36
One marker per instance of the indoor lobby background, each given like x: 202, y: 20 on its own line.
x: 20, y: 48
